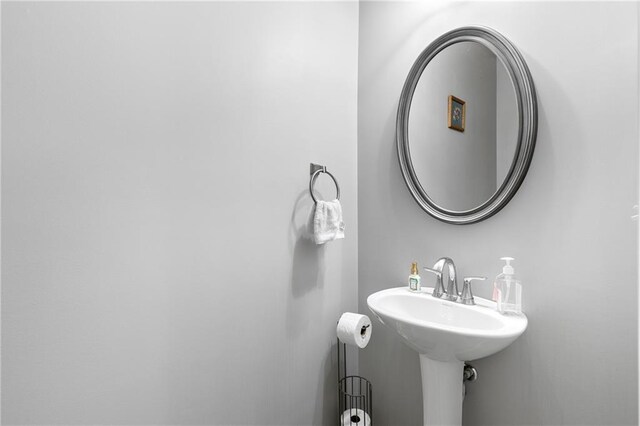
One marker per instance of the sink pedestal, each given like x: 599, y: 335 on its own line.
x: 441, y: 392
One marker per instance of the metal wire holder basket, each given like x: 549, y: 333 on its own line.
x: 354, y: 395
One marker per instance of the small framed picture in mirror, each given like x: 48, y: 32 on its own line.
x: 457, y: 113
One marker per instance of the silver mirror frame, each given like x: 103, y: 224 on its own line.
x: 527, y: 128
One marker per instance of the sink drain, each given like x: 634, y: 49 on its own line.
x: 469, y: 374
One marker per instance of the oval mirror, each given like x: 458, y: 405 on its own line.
x: 466, y: 126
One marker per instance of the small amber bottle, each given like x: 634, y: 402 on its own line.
x: 414, y: 278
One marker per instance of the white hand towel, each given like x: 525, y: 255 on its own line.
x: 327, y: 222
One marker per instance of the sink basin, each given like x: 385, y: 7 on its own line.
x: 445, y: 330
x: 445, y: 334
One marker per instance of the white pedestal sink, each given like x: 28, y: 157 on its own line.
x: 445, y: 334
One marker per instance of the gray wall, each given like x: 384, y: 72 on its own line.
x: 155, y: 164
x: 569, y: 226
x: 466, y: 71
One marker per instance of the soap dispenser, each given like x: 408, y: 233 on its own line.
x: 507, y: 290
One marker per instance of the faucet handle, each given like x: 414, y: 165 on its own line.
x: 434, y: 271
x: 467, y: 295
x: 438, y: 290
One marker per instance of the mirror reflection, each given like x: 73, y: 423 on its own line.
x: 463, y: 126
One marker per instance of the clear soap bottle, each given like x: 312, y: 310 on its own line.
x: 507, y: 290
x: 414, y: 278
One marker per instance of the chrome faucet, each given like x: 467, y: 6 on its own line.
x: 451, y: 293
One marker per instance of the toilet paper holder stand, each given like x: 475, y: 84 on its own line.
x: 355, y: 401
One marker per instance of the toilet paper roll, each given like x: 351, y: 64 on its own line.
x: 354, y: 329
x: 355, y: 417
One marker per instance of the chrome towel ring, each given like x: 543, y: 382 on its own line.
x: 315, y: 170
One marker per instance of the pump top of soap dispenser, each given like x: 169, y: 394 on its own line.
x: 508, y: 269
